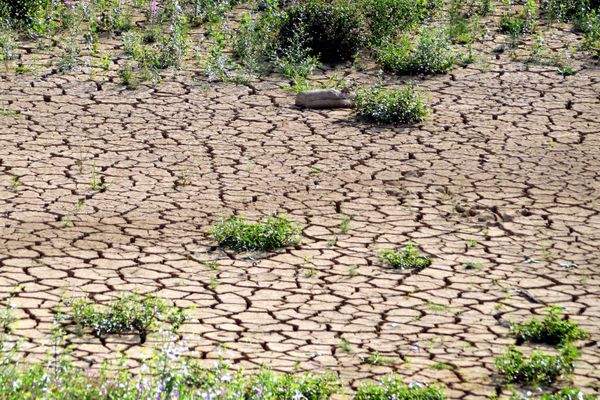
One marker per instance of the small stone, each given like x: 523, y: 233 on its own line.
x: 326, y: 98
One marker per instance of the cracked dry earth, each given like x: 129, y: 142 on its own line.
x: 509, y: 159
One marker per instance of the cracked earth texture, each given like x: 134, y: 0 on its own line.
x: 500, y: 187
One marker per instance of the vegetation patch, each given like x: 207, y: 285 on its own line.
x: 390, y: 106
x: 428, y: 52
x: 130, y: 313
x: 553, y: 329
x: 407, y: 258
x: 538, y: 368
x: 240, y: 235
x: 393, y: 388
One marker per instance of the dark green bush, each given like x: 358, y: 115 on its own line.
x: 566, y: 10
x: 430, y: 53
x: 553, y: 329
x: 21, y: 10
x: 385, y: 18
x: 390, y: 106
x: 333, y: 30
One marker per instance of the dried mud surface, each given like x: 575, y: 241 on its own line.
x: 510, y: 158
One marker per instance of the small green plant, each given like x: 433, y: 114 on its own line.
x: 407, y: 258
x: 15, y: 182
x: 345, y: 224
x: 213, y: 282
x: 567, y: 71
x: 553, y: 329
x: 442, y: 366
x: 211, y: 265
x: 130, y: 313
x: 128, y: 77
x: 393, y: 388
x: 429, y: 52
x: 7, y: 44
x: 69, y: 59
x: 537, y: 369
x: 376, y: 358
x: 23, y: 69
x: 345, y: 345
x: 274, y: 233
x: 353, y: 272
x: 390, y: 106
x: 566, y: 394
x: 96, y: 182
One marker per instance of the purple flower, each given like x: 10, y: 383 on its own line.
x: 153, y: 9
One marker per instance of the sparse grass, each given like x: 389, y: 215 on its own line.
x: 130, y: 313
x: 393, y: 388
x: 345, y: 345
x: 390, y: 106
x: 407, y: 258
x: 376, y: 358
x: 96, y: 182
x: 553, y: 329
x: 442, y: 366
x: 8, y: 113
x: 274, y: 233
x: 538, y: 368
x: 345, y: 224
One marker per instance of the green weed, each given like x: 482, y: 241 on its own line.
x: 553, y: 329
x: 537, y: 369
x: 429, y: 52
x: 130, y: 313
x: 393, y: 388
x: 274, y: 233
x: 390, y: 106
x: 407, y: 258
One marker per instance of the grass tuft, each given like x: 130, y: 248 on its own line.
x: 393, y: 388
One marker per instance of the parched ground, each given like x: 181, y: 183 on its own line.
x: 501, y: 186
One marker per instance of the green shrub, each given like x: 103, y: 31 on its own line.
x: 393, y: 388
x: 385, y: 18
x: 8, y: 45
x: 334, y: 30
x: 431, y: 54
x: 553, y: 329
x: 567, y: 10
x: 131, y: 313
x: 238, y: 234
x: 567, y: 394
x: 390, y: 106
x: 537, y: 369
x: 407, y: 258
x: 21, y: 10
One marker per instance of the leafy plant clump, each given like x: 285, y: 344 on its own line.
x: 274, y: 233
x: 407, y: 258
x: 333, y: 30
x: 567, y: 394
x: 553, y: 329
x: 130, y: 313
x: 390, y: 106
x: 393, y: 388
x: 429, y: 53
x: 567, y: 10
x: 537, y: 369
x: 385, y: 18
